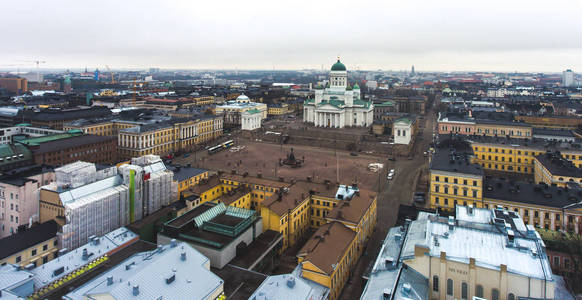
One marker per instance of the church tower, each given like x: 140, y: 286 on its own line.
x: 338, y: 77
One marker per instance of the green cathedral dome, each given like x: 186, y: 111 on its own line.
x: 338, y: 66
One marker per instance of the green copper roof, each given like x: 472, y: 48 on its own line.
x: 333, y: 102
x: 48, y: 138
x: 253, y: 111
x: 386, y: 103
x: 349, y: 88
x: 12, y: 153
x: 356, y: 86
x: 338, y: 66
x: 404, y: 120
x: 366, y: 104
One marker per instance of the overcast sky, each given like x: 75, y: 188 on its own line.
x: 487, y: 35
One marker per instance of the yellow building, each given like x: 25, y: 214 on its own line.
x: 187, y: 177
x: 553, y: 169
x: 517, y: 155
x: 287, y: 212
x: 329, y: 256
x: 503, y: 129
x: 555, y: 122
x: 37, y: 245
x: 261, y: 188
x: 167, y: 137
x: 454, y: 180
x: 278, y: 109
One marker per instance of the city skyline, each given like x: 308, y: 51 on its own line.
x: 494, y: 36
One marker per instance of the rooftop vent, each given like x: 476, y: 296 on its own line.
x: 451, y: 222
x: 136, y: 290
x: 173, y: 243
x: 109, y: 280
x: 406, y: 288
x: 398, y: 236
x: 387, y: 293
x: 470, y: 210
x: 170, y: 278
x: 183, y: 256
x: 291, y: 282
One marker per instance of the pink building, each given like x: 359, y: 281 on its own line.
x: 447, y: 125
x: 19, y: 196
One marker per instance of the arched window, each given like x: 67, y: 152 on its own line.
x: 479, y: 291
x: 511, y: 296
x: 494, y: 294
x: 435, y: 283
x: 449, y: 287
x: 464, y: 291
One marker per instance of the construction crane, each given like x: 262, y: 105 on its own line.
x: 37, y: 62
x: 111, y: 73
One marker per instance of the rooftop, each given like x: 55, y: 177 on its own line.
x: 503, y: 240
x: 28, y: 238
x: 558, y: 165
x: 185, y: 173
x: 69, y: 262
x: 454, y: 155
x: 552, y: 132
x: 525, y: 192
x: 327, y: 246
x: 210, y: 224
x: 530, y: 143
x: 173, y: 271
x: 352, y: 209
x: 289, y: 287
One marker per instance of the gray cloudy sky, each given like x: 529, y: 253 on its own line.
x: 492, y: 35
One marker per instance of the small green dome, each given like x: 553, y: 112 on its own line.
x: 338, y: 66
x: 356, y: 86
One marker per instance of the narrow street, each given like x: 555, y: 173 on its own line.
x: 394, y: 193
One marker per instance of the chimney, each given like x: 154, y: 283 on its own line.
x: 183, y: 256
x: 387, y: 294
x: 173, y: 243
x: 136, y: 290
x: 109, y: 280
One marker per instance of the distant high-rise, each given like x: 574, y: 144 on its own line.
x: 412, y: 71
x: 96, y: 75
x: 568, y: 78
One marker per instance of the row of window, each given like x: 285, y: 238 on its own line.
x: 454, y: 180
x: 519, y: 152
x: 465, y: 290
x: 465, y: 191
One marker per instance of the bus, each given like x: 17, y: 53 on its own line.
x: 228, y: 144
x: 214, y: 149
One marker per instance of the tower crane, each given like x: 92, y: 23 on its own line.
x: 110, y: 73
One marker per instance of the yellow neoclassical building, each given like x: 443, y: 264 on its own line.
x: 167, y: 136
x: 454, y: 180
x: 517, y: 155
x: 553, y: 169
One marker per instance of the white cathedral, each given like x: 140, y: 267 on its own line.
x: 338, y: 105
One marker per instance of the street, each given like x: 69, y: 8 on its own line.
x: 393, y: 193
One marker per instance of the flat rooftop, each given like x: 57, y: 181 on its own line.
x: 559, y: 166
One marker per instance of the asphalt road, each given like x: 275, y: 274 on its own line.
x: 393, y: 193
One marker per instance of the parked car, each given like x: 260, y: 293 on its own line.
x: 392, y: 171
x: 353, y: 154
x: 186, y: 155
x: 390, y: 176
x: 392, y: 159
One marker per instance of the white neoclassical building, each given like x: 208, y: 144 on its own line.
x: 338, y: 105
x: 404, y: 130
x: 251, y: 119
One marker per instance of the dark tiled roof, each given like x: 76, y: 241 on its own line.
x: 454, y: 160
x: 559, y: 166
x: 529, y: 193
x: 93, y: 112
x: 552, y: 132
x: 28, y: 238
x: 71, y: 142
x: 184, y: 173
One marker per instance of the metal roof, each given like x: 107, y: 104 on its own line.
x: 173, y: 271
